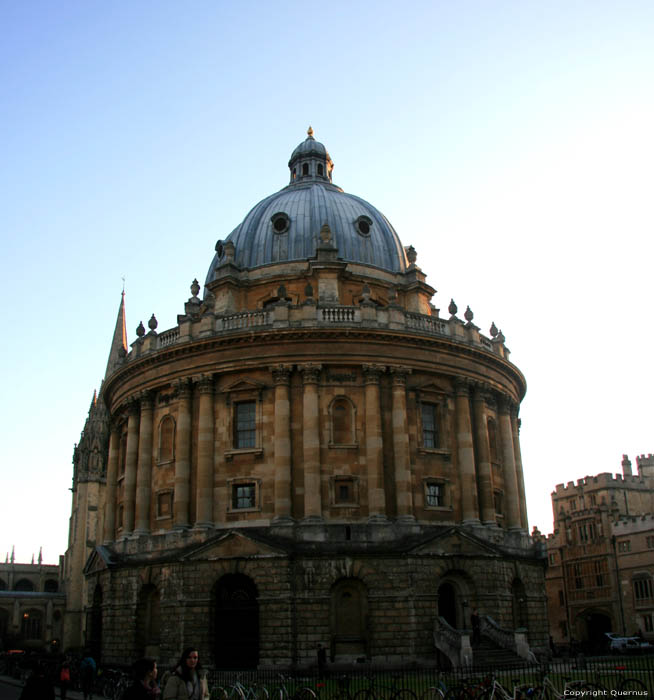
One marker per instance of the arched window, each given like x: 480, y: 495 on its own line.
x: 305, y: 169
x: 342, y: 422
x: 166, y: 439
x: 349, y: 618
x: 23, y: 585
x: 148, y: 621
x: 321, y: 170
x: 51, y: 586
x: 492, y: 442
x: 235, y: 622
x: 31, y: 625
x: 3, y: 585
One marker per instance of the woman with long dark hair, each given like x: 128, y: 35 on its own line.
x: 144, y: 686
x: 188, y: 681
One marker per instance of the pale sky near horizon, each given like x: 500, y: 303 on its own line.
x: 511, y: 143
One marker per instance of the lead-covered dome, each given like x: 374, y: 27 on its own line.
x: 286, y: 225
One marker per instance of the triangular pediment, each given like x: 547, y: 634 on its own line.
x: 97, y: 561
x: 456, y: 542
x: 431, y: 388
x: 244, y: 385
x: 233, y: 545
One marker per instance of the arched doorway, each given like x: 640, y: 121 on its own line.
x: 447, y: 604
x: 235, y: 618
x: 148, y: 621
x: 591, y: 626
x: 518, y: 604
x: 94, y: 624
x: 348, y: 620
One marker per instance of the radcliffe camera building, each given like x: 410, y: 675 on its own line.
x: 311, y: 455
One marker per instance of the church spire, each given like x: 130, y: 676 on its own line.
x: 119, y: 341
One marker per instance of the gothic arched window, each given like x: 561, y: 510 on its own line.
x: 166, y: 439
x: 342, y: 422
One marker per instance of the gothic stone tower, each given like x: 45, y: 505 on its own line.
x: 312, y: 455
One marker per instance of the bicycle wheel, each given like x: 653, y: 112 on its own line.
x: 258, y: 692
x: 458, y: 692
x: 365, y: 694
x: 304, y: 694
x: 632, y: 685
x: 432, y: 694
x: 404, y: 694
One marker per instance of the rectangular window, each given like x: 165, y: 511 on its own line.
x: 434, y: 494
x: 561, y: 599
x: 624, y: 546
x: 650, y: 542
x: 245, y: 426
x: 649, y: 623
x: 164, y: 504
x: 573, y: 504
x: 243, y: 496
x: 343, y: 491
x: 429, y: 425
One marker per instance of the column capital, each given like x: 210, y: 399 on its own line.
x: 481, y: 391
x: 146, y: 397
x: 399, y: 374
x: 372, y: 373
x: 182, y: 388
x: 281, y: 373
x: 133, y: 406
x: 204, y: 383
x: 462, y: 386
x: 310, y: 372
x: 506, y: 404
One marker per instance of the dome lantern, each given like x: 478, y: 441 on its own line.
x: 310, y: 162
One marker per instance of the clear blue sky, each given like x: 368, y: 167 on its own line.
x: 510, y: 142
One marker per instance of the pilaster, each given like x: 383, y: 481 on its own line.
x: 466, y: 455
x: 374, y: 442
x: 131, y: 459
x: 484, y: 477
x: 505, y: 405
x: 144, y: 466
x: 311, y: 441
x: 182, y: 497
x: 110, y: 494
x: 403, y: 490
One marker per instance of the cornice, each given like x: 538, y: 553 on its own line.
x: 200, y: 346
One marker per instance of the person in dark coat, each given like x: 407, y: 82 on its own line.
x: 38, y: 686
x: 145, y: 685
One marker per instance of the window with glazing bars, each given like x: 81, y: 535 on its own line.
x: 245, y: 426
x: 429, y: 427
x: 243, y: 496
x: 434, y: 494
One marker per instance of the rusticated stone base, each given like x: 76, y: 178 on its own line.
x: 358, y: 591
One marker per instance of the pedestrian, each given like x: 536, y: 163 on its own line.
x: 145, y: 685
x: 321, y: 655
x: 188, y: 681
x: 87, y: 671
x: 64, y: 679
x: 38, y: 686
x: 476, y: 627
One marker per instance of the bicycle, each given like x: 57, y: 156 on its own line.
x: 548, y: 691
x: 625, y: 687
x: 282, y: 692
x: 519, y: 692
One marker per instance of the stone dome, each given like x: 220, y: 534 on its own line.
x: 286, y: 225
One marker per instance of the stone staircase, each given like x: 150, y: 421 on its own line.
x: 488, y: 654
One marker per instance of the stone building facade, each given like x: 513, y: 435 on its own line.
x: 32, y: 605
x: 312, y: 455
x: 601, y: 556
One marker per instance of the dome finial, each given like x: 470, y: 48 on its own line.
x: 310, y: 131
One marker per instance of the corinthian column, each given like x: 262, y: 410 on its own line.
x: 515, y: 427
x: 466, y: 454
x: 311, y: 441
x: 282, y: 441
x: 374, y: 443
x: 131, y: 457
x: 144, y: 468
x: 508, y: 464
x: 204, y: 485
x: 403, y: 491
x: 182, y: 498
x: 486, y: 504
x: 112, y: 475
